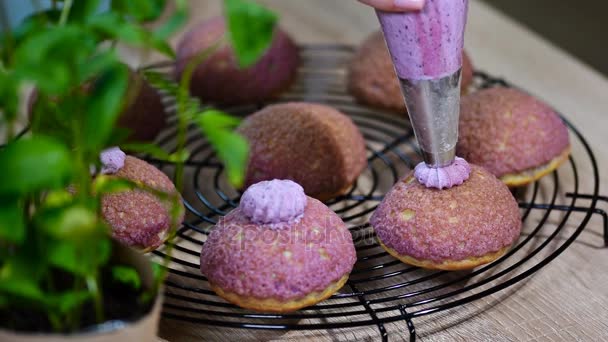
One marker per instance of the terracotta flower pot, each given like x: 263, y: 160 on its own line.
x: 144, y: 329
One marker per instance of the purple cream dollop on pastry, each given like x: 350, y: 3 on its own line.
x: 112, y: 160
x: 443, y: 177
x: 275, y: 201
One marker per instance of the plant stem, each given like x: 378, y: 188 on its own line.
x: 6, y: 118
x: 183, y: 95
x: 6, y: 32
x: 183, y: 115
x: 93, y: 286
x: 169, y: 249
x: 65, y: 12
x: 52, y: 316
x: 55, y: 322
x: 79, y: 163
x: 6, y: 27
x: 181, y: 144
x: 10, y: 130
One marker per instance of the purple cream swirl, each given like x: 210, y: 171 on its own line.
x: 275, y: 201
x: 443, y: 177
x: 112, y: 160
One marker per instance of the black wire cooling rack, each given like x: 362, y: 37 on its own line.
x: 381, y: 292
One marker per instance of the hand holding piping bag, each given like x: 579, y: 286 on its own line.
x: 425, y: 44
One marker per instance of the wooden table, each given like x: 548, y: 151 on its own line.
x: 564, y: 301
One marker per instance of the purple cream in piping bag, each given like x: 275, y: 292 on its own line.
x: 426, y: 44
x: 426, y: 49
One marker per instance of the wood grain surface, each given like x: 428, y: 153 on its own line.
x: 565, y: 301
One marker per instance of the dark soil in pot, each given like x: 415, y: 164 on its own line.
x: 121, y: 302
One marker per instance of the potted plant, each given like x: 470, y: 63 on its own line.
x: 61, y: 275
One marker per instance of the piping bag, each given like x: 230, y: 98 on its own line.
x: 426, y: 49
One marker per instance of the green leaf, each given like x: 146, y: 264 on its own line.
x: 112, y: 184
x: 9, y: 95
x: 162, y: 47
x: 156, y: 152
x: 187, y: 106
x: 81, y: 258
x: 231, y: 147
x: 55, y: 117
x: 119, y: 136
x: 22, y: 288
x: 73, y: 222
x: 179, y: 157
x: 109, y: 184
x: 160, y: 81
x: 250, y: 29
x: 140, y: 10
x: 174, y: 22
x: 82, y: 10
x: 159, y: 272
x: 29, y: 26
x: 34, y: 164
x: 97, y: 64
x: 218, y: 119
x: 233, y: 150
x: 104, y: 106
x: 34, y: 23
x: 58, y: 198
x: 12, y: 221
x: 127, y: 275
x: 53, y: 48
x: 47, y: 17
x: 67, y: 301
x: 147, y: 148
x: 21, y: 272
x: 112, y: 26
x: 67, y: 256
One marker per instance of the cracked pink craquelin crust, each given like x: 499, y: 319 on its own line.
x: 508, y: 131
x: 219, y: 79
x: 258, y: 261
x: 473, y: 219
x: 443, y: 177
x: 312, y: 144
x: 275, y: 201
x: 138, y: 218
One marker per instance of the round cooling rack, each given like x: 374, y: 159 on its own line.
x: 382, y: 292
